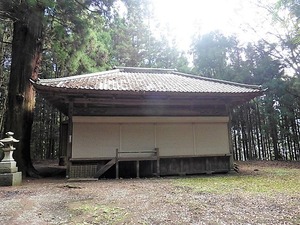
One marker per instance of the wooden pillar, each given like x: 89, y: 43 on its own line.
x: 69, y: 142
x: 207, y: 165
x: 117, y: 163
x: 157, y: 162
x: 137, y: 169
x: 228, y: 108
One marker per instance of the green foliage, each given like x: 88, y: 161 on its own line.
x: 78, y: 45
x: 218, y: 56
x: 211, y: 55
x: 285, y: 16
x: 265, y: 128
x: 133, y: 44
x: 5, y: 54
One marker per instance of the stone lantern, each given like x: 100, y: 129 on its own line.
x: 9, y: 175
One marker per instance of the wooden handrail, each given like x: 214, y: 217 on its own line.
x: 137, y: 159
x: 146, y: 151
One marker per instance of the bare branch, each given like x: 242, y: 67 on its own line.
x: 5, y: 42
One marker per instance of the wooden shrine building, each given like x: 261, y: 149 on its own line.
x: 145, y: 122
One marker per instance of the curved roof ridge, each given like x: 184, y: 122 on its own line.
x: 144, y: 69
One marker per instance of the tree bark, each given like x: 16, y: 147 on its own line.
x: 26, y: 57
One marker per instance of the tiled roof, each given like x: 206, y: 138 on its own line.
x: 147, y: 80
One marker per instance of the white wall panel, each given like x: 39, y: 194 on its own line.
x: 95, y: 140
x: 211, y: 139
x: 175, y: 139
x: 137, y: 137
x: 100, y: 139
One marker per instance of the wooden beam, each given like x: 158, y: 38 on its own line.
x: 147, y: 98
x: 70, y: 131
x: 152, y: 102
x: 151, y: 111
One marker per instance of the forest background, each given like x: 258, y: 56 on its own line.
x: 51, y: 39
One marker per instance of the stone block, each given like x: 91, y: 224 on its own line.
x: 11, y: 179
x: 8, y: 167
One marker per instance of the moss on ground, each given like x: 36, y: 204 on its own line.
x: 87, y: 212
x: 266, y: 180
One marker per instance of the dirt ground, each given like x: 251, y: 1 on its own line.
x: 54, y: 200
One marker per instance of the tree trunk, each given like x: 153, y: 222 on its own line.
x: 258, y: 131
x: 4, y: 49
x: 26, y: 57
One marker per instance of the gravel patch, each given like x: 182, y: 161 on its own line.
x: 140, y: 201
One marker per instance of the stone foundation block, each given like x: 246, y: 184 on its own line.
x: 11, y: 179
x: 8, y: 167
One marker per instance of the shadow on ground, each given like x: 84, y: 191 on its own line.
x: 50, y: 168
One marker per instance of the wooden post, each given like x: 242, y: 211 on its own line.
x: 207, y: 165
x: 230, y: 138
x: 157, y: 162
x: 69, y: 142
x: 117, y: 163
x: 137, y: 169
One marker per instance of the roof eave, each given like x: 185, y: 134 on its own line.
x: 80, y: 91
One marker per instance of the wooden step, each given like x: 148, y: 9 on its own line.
x: 105, y: 168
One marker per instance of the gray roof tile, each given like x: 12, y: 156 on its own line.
x: 147, y: 80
